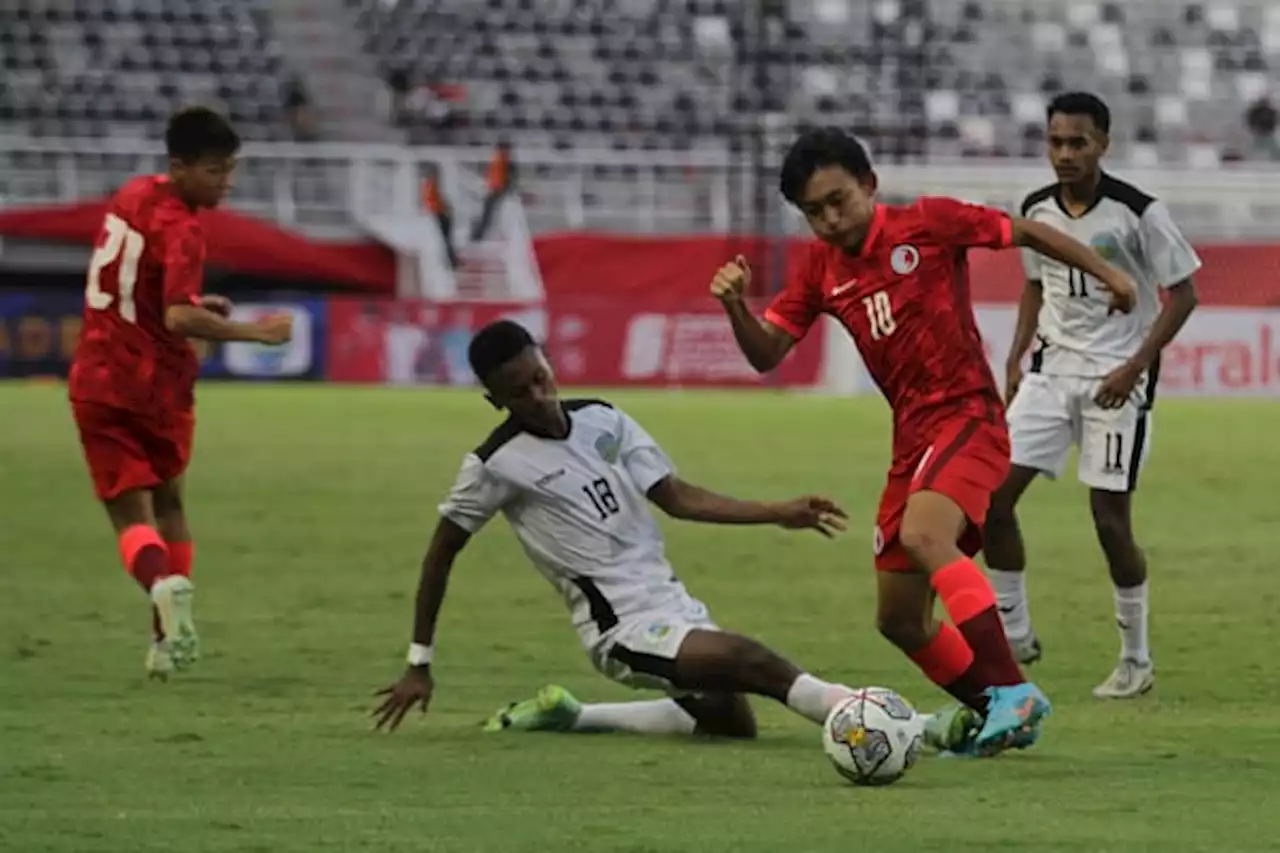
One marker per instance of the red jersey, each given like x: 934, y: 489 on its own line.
x: 149, y: 255
x: 905, y: 301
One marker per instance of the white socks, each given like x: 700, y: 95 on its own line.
x: 813, y: 698
x: 1132, y: 618
x: 657, y: 717
x: 1011, y: 599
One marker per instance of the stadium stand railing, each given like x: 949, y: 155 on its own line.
x: 329, y: 189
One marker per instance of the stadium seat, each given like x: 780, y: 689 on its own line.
x: 73, y: 67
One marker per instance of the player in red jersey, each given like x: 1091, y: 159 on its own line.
x: 896, y: 279
x: 132, y: 378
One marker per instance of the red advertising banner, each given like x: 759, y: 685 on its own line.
x: 580, y: 265
x: 658, y: 342
x: 412, y: 343
x: 664, y: 342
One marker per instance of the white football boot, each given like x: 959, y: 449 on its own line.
x: 174, y: 597
x: 159, y: 661
x: 1128, y: 680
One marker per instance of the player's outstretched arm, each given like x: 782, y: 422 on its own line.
x: 688, y: 502
x: 1066, y: 249
x: 415, y: 685
x: 197, y: 321
x: 764, y: 344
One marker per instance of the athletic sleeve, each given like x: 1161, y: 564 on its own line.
x: 1169, y: 257
x: 183, y: 252
x: 477, y: 495
x: 800, y: 303
x: 966, y: 226
x: 644, y: 460
x: 1030, y: 264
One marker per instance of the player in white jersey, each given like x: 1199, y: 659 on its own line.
x: 1092, y: 375
x: 574, y: 479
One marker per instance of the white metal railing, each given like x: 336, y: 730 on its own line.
x: 338, y: 186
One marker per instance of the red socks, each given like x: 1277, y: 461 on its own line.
x: 971, y: 603
x: 181, y: 556
x: 948, y: 662
x: 144, y: 554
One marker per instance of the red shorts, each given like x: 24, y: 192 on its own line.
x: 967, y: 462
x: 128, y: 450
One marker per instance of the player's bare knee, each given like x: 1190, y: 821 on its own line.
x: 1111, y: 517
x: 928, y: 547
x: 758, y: 668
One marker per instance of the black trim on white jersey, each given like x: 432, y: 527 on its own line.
x: 1139, y: 445
x: 647, y: 664
x: 509, y: 428
x: 1125, y: 193
x: 501, y: 434
x: 1108, y: 187
x: 1153, y: 380
x: 1037, y: 354
x: 598, y: 606
x: 1036, y: 196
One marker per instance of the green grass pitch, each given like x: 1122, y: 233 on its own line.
x: 312, y: 506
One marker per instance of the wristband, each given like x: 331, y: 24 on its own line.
x: 419, y: 654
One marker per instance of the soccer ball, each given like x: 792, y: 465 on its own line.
x: 873, y: 737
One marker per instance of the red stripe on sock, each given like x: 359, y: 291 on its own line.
x: 967, y: 594
x: 181, y: 556
x: 946, y: 657
x: 965, y: 591
x: 144, y: 554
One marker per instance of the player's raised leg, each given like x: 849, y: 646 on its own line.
x: 931, y: 527
x: 1006, y: 558
x: 905, y: 618
x: 708, y: 676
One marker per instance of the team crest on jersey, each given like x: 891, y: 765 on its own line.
x: 1106, y: 245
x: 607, y: 446
x: 904, y: 259
x: 658, y: 631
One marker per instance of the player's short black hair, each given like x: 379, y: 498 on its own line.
x: 197, y: 132
x: 495, y: 345
x: 1081, y: 104
x: 815, y: 149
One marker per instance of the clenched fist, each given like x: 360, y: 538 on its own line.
x: 731, y: 280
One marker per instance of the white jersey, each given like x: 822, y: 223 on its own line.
x: 578, y: 507
x: 1133, y: 231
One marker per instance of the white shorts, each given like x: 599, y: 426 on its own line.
x: 1050, y: 413
x: 640, y: 651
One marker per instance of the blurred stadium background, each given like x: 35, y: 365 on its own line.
x: 590, y: 163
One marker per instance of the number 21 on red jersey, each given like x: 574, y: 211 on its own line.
x: 117, y: 258
x: 879, y: 315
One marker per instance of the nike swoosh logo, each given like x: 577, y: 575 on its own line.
x: 839, y: 289
x: 1007, y: 610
